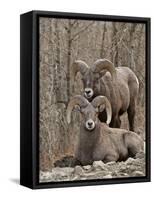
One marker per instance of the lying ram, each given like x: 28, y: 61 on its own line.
x: 97, y: 141
x: 120, y: 85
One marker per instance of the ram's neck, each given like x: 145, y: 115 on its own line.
x: 87, y: 141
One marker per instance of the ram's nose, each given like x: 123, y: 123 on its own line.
x: 90, y: 124
x: 88, y: 92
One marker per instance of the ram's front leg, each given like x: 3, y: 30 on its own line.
x: 115, y: 122
x: 111, y: 157
x: 131, y: 115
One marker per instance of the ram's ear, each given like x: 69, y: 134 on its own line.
x: 101, y: 108
x: 77, y: 108
x: 102, y: 73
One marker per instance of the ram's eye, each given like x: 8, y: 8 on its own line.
x: 81, y: 110
x: 97, y: 76
x: 82, y: 79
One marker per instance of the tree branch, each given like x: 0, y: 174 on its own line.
x: 79, y: 32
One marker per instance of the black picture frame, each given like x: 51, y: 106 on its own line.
x: 29, y: 98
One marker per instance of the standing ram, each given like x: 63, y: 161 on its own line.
x: 120, y: 85
x: 97, y: 141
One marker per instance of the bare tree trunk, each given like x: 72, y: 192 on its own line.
x: 57, y: 70
x: 69, y: 57
x: 115, y: 46
x: 131, y: 42
x: 102, y: 49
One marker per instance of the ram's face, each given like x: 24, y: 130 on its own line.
x: 90, y: 80
x: 89, y: 115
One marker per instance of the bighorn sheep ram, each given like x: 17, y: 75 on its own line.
x: 120, y: 85
x: 97, y: 141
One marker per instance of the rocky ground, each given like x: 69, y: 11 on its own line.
x: 98, y: 170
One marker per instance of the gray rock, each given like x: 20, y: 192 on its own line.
x: 68, y: 170
x: 115, y: 174
x: 94, y: 175
x: 87, y: 168
x: 131, y: 168
x: 107, y: 176
x: 63, y: 171
x: 122, y: 168
x: 46, y: 176
x: 99, y: 165
x: 130, y: 160
x: 78, y: 170
x: 122, y: 175
x: 76, y: 177
x: 98, y: 170
x: 138, y: 173
x: 111, y: 163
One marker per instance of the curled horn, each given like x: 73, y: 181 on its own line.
x: 104, y: 64
x: 102, y: 100
x: 76, y: 100
x: 77, y: 66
